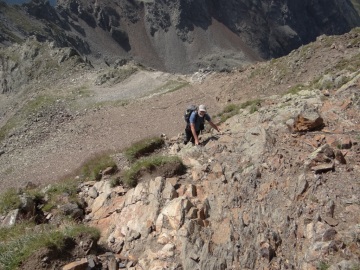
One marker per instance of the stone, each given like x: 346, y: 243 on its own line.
x: 345, y: 143
x: 190, y: 191
x: 73, y: 210
x: 93, y: 192
x: 308, y: 121
x: 322, y: 168
x: 10, y: 219
x: 267, y: 251
x: 169, y: 192
x: 78, y: 265
x: 109, y: 171
x: 173, y: 213
x: 331, y: 221
x: 329, y: 234
x: 339, y: 157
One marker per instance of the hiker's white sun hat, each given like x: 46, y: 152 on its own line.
x: 202, y: 108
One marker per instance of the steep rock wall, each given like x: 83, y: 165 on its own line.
x: 269, y: 28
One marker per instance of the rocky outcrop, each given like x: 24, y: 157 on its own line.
x: 20, y: 65
x: 258, y: 196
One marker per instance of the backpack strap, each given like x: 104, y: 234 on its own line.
x: 196, y: 116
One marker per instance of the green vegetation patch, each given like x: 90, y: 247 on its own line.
x: 21, y: 241
x: 93, y: 167
x: 233, y: 109
x: 323, y: 266
x: 34, y: 105
x: 295, y: 89
x: 253, y: 104
x: 229, y: 111
x: 173, y: 164
x: 143, y: 147
x: 81, y: 91
x: 56, y: 193
x: 9, y: 200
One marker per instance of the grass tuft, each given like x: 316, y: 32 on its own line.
x: 56, y: 193
x: 93, y: 167
x: 323, y: 266
x: 21, y: 241
x: 233, y: 109
x: 9, y: 200
x: 143, y: 147
x: 229, y: 111
x: 295, y: 89
x: 132, y: 175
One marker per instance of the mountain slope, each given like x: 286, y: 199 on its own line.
x: 182, y: 36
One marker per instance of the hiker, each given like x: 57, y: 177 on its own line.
x: 196, y: 124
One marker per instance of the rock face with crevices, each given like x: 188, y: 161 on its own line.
x: 179, y: 35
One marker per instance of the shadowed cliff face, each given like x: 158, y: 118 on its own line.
x: 269, y: 28
x: 185, y: 35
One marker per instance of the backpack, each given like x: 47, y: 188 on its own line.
x: 188, y: 112
x: 190, y: 109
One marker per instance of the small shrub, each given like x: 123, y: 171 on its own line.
x: 131, y: 176
x: 9, y: 200
x: 92, y: 168
x: 143, y: 147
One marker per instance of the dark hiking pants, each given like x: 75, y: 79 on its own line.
x: 189, y: 136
